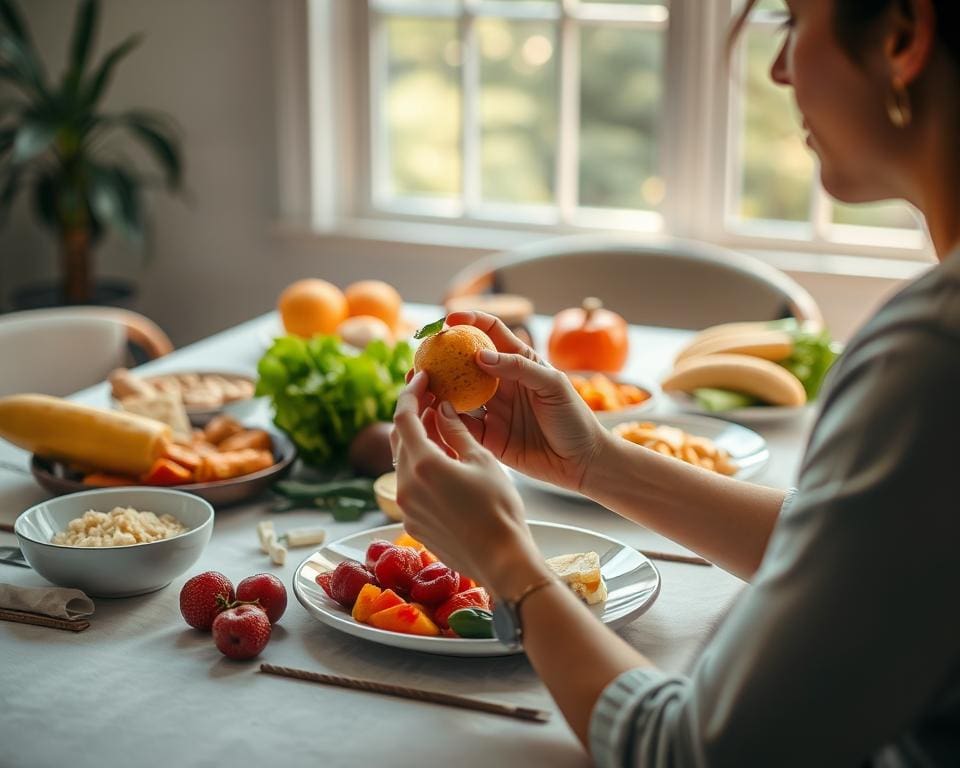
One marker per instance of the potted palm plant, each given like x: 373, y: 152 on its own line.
x: 59, y: 146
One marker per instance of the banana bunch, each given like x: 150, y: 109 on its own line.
x: 758, y: 363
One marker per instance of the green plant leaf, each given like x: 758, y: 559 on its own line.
x: 33, y: 138
x: 430, y: 329
x: 45, y: 201
x: 8, y: 190
x: 99, y: 81
x: 130, y: 203
x: 159, y: 141
x: 23, y: 67
x: 11, y: 19
x: 114, y: 200
x: 7, y: 135
x: 83, y: 32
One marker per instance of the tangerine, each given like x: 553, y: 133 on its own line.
x: 449, y: 360
x: 311, y: 306
x: 376, y: 298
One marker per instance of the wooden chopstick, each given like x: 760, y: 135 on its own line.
x: 6, y: 527
x: 417, y: 694
x: 22, y: 617
x: 671, y: 557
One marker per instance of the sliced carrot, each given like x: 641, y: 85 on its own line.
x: 182, y: 455
x: 106, y: 480
x: 166, y: 472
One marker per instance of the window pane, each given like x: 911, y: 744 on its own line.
x: 778, y: 167
x: 518, y: 111
x: 892, y: 214
x: 422, y: 107
x: 620, y: 108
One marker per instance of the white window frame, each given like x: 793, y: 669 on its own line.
x: 336, y: 101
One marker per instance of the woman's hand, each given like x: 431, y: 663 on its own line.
x: 461, y: 506
x: 536, y: 422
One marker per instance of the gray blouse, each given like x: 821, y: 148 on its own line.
x: 845, y: 650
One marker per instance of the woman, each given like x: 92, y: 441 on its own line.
x: 864, y: 552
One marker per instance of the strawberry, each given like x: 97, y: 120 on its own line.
x: 434, y: 584
x: 241, y: 632
x: 396, y: 568
x: 268, y: 591
x: 347, y: 580
x: 472, y: 598
x: 374, y: 550
x: 203, y: 597
x: 323, y: 579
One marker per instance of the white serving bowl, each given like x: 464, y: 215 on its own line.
x: 114, y: 571
x: 628, y: 412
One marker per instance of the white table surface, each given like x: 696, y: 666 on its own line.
x: 141, y: 688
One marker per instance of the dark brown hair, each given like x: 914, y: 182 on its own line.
x: 854, y: 19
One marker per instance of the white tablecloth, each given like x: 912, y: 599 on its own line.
x: 141, y: 688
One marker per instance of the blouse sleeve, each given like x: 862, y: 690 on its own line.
x: 849, y: 628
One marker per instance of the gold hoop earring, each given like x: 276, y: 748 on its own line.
x: 898, y: 105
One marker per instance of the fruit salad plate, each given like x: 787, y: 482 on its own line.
x: 747, y: 450
x: 633, y: 584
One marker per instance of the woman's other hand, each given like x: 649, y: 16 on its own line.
x: 536, y: 423
x: 456, y: 499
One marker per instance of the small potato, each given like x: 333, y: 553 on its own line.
x: 219, y: 428
x: 248, y: 438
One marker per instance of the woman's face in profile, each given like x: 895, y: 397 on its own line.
x: 842, y: 98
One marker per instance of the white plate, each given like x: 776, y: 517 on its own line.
x: 754, y: 414
x: 633, y: 583
x: 746, y: 448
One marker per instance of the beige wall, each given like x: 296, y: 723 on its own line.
x: 214, y: 257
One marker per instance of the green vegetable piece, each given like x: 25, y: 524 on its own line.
x: 430, y: 329
x: 472, y: 623
x: 717, y: 400
x: 813, y: 354
x: 361, y: 488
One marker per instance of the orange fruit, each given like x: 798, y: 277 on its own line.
x: 374, y: 297
x: 449, y: 359
x: 311, y: 306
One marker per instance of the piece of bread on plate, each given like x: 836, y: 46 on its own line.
x: 581, y: 572
x: 166, y: 407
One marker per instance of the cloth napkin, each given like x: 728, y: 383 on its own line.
x: 55, y: 602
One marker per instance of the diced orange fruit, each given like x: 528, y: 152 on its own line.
x: 406, y: 540
x: 363, y: 607
x: 387, y: 599
x: 408, y: 619
x: 428, y: 558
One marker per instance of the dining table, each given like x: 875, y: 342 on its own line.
x: 140, y: 687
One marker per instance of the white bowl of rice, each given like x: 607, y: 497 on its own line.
x: 115, y: 542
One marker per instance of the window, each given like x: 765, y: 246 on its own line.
x: 774, y: 189
x: 576, y: 113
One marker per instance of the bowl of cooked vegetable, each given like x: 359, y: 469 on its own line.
x: 613, y: 398
x: 77, y: 447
